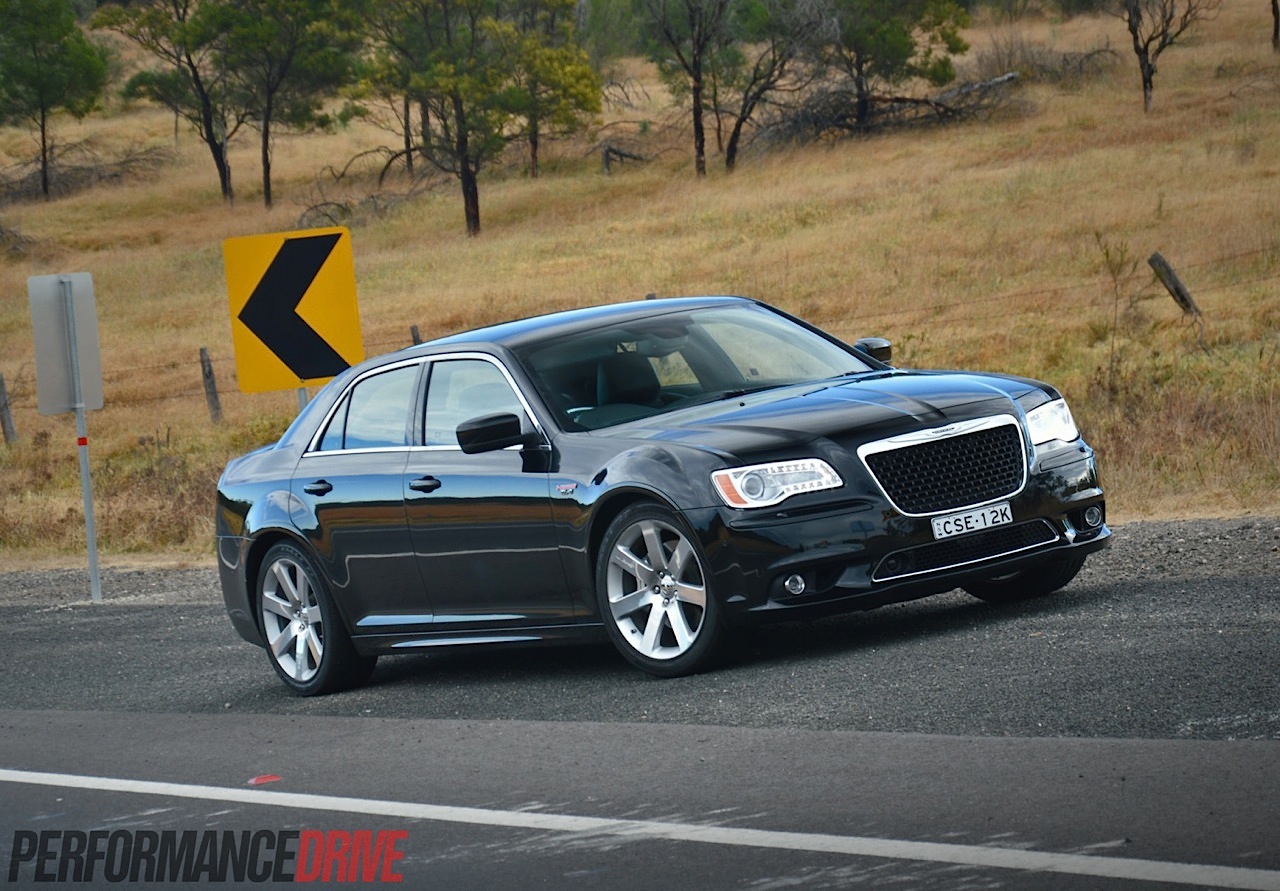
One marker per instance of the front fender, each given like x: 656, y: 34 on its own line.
x: 586, y: 498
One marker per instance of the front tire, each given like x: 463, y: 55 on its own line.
x: 654, y: 594
x: 307, y: 644
x: 1027, y: 584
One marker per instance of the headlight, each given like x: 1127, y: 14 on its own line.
x: 764, y: 484
x: 1051, y: 421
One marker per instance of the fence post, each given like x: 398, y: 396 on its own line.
x: 210, y: 386
x: 1177, y: 290
x: 413, y: 332
x: 6, y: 415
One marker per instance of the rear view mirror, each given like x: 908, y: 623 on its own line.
x: 488, y: 433
x: 876, y: 347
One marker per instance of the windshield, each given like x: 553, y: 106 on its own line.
x: 605, y: 376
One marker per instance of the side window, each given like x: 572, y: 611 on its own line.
x: 332, y: 439
x: 375, y: 412
x: 461, y: 389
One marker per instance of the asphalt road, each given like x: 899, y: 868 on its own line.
x: 1132, y: 719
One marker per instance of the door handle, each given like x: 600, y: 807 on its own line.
x: 425, y: 484
x: 319, y: 487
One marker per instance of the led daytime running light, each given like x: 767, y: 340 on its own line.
x: 762, y: 485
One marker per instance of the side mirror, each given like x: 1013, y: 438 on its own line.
x: 488, y: 433
x: 876, y: 348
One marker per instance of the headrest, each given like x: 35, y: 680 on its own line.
x: 626, y: 377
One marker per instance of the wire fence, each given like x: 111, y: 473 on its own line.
x: 188, y: 379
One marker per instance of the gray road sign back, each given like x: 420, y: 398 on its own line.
x: 55, y: 366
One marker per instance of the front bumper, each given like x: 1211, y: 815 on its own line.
x: 863, y: 553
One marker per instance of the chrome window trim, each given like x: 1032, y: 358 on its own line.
x: 511, y: 382
x: 424, y: 363
x: 313, y: 445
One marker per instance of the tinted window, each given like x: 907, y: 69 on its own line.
x: 374, y: 413
x: 461, y: 389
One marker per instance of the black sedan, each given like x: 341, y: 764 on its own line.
x: 659, y: 472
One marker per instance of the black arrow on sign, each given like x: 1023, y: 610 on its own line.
x: 271, y: 312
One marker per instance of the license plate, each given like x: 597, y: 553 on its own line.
x: 972, y: 520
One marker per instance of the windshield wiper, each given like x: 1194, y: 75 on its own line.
x: 721, y: 395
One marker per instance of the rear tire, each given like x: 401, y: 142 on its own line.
x: 1027, y: 584
x: 306, y: 642
x: 654, y: 594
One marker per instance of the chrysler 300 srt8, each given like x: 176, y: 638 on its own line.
x: 660, y: 472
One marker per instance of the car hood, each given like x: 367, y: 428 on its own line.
x: 867, y: 407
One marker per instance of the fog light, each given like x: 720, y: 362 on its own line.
x: 794, y: 585
x: 1093, y: 517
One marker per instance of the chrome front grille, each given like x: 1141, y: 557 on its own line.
x: 950, y: 468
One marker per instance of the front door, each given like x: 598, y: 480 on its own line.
x: 481, y: 524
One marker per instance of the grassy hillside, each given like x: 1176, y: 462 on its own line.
x: 1016, y: 244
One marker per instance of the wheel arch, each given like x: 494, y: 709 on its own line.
x: 606, y: 511
x: 257, y: 552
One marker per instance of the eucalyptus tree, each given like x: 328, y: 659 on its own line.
x: 552, y: 87
x: 759, y: 56
x: 284, y: 58
x: 1156, y: 25
x: 684, y: 37
x: 189, y: 76
x: 47, y: 65
x: 482, y: 73
x: 454, y: 72
x: 878, y: 44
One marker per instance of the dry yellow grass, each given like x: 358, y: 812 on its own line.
x: 979, y: 245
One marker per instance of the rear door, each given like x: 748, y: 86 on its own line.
x: 349, y: 488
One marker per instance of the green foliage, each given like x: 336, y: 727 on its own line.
x: 481, y: 73
x: 284, y: 58
x: 1070, y: 8
x: 886, y: 42
x: 182, y: 36
x: 551, y: 84
x: 46, y: 65
x: 46, y: 62
x: 612, y: 29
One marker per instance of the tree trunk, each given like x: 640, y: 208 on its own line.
x: 468, y: 171
x: 209, y: 132
x: 735, y: 135
x: 44, y: 153
x: 731, y: 148
x: 1275, y: 25
x: 266, y: 156
x: 408, y: 136
x: 715, y: 113
x: 470, y: 198
x: 699, y: 132
x: 218, y: 150
x: 862, y: 105
x: 1148, y: 80
x: 533, y: 145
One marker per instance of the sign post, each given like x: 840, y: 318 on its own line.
x: 69, y: 373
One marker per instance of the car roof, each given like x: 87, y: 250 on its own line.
x: 518, y: 333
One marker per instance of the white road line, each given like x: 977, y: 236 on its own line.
x: 967, y: 855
